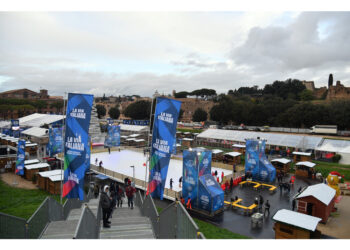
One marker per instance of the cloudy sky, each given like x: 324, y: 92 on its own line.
x: 122, y: 53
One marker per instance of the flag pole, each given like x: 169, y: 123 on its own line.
x: 63, y: 134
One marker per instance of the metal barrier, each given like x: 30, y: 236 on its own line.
x: 139, y: 200
x: 55, y: 210
x: 69, y: 205
x: 12, y: 227
x: 39, y: 220
x: 186, y: 227
x: 150, y: 210
x: 98, y: 219
x: 86, y: 228
x: 168, y: 222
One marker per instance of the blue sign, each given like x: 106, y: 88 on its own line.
x: 190, y: 175
x: 113, y: 136
x: 76, y: 144
x: 55, y: 145
x: 21, y: 154
x: 164, y: 129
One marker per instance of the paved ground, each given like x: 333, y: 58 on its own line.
x: 11, y: 178
x: 338, y: 225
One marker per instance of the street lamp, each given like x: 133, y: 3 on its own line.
x: 133, y: 173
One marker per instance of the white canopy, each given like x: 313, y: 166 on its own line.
x: 35, y: 166
x: 139, y: 140
x: 321, y: 192
x: 51, y: 173
x: 297, y: 219
x: 238, y: 146
x: 302, y: 153
x: 187, y: 139
x: 217, y: 151
x: 31, y: 144
x: 36, y: 132
x: 130, y: 139
x: 134, y: 128
x: 233, y: 154
x: 306, y: 164
x: 33, y: 161
x: 336, y: 146
x: 57, y: 177
x: 281, y: 160
x: 134, y: 135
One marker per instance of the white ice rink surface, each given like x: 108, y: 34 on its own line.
x: 120, y: 162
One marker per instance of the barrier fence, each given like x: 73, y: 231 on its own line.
x: 12, y: 227
x: 173, y: 222
x: 86, y: 228
x: 39, y: 220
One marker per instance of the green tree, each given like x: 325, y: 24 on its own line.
x: 330, y: 80
x: 114, y: 112
x: 101, y: 111
x: 306, y: 95
x: 139, y: 110
x: 199, y: 115
x: 182, y: 94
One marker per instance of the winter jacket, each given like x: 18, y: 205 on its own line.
x: 105, y: 201
x: 130, y: 191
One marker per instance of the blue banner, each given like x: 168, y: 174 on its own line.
x: 190, y: 175
x: 173, y: 152
x: 113, y: 136
x: 21, y: 154
x: 164, y: 129
x: 55, y: 145
x: 76, y: 144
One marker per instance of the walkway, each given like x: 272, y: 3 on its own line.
x: 128, y: 223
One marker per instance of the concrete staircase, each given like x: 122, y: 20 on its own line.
x: 128, y: 223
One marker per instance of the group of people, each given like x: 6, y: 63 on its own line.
x: 112, y: 197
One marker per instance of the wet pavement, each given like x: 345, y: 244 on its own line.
x: 237, y: 222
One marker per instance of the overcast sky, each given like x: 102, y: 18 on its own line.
x: 123, y: 53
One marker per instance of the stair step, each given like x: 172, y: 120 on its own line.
x: 60, y: 230
x: 127, y: 227
x: 144, y: 234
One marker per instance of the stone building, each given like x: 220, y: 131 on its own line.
x: 337, y: 92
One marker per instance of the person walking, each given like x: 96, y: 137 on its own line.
x: 267, y: 208
x: 96, y: 190
x: 188, y: 204
x: 120, y: 195
x: 96, y: 161
x: 180, y: 181
x: 100, y: 164
x: 171, y: 183
x: 231, y: 183
x: 105, y: 202
x: 216, y: 173
x: 293, y: 204
x: 109, y: 150
x: 261, y: 202
x: 130, y: 190
x: 222, y: 176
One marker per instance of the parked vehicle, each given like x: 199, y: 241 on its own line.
x: 324, y: 129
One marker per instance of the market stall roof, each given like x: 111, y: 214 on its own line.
x: 139, y: 140
x: 187, y: 139
x: 178, y: 145
x: 101, y: 177
x: 238, y: 146
x: 134, y: 135
x: 321, y: 192
x: 306, y: 163
x: 329, y: 145
x: 130, y: 139
x: 57, y: 177
x: 33, y: 161
x: 134, y: 128
x: 36, y: 132
x: 35, y: 166
x: 233, y: 154
x: 51, y: 173
x: 31, y: 144
x: 286, y: 140
x: 123, y: 136
x: 301, y: 153
x: 297, y: 219
x: 187, y: 133
x: 281, y: 160
x: 217, y: 151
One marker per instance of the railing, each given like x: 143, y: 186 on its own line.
x: 168, y: 222
x: 138, y: 200
x: 12, y: 227
x: 86, y: 228
x: 38, y: 221
x: 150, y: 210
x: 69, y: 205
x: 186, y: 227
x: 55, y: 210
x: 98, y: 219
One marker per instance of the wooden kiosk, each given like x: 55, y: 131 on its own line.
x: 54, y: 184
x: 217, y: 154
x: 239, y: 148
x: 232, y: 158
x: 317, y: 200
x: 187, y: 142
x: 281, y: 165
x: 32, y: 169
x: 301, y: 156
x: 43, y: 178
x: 294, y: 225
x: 305, y: 169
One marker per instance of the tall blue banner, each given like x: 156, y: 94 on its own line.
x: 21, y: 153
x: 55, y: 141
x: 76, y: 144
x: 113, y: 136
x: 164, y: 129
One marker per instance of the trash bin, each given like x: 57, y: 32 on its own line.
x: 257, y: 220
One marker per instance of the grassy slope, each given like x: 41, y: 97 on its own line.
x: 20, y: 202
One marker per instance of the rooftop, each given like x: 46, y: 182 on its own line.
x: 297, y: 219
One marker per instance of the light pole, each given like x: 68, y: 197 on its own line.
x: 133, y: 173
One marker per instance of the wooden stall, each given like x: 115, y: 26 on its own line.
x: 130, y: 141
x: 281, y: 165
x: 305, y: 169
x: 317, y: 200
x: 187, y: 142
x: 301, y: 156
x: 239, y: 148
x: 54, y: 184
x: 217, y: 155
x: 232, y: 158
x: 139, y: 143
x: 32, y: 148
x: 32, y: 169
x: 294, y: 225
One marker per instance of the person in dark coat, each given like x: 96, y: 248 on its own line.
x: 106, y: 206
x: 216, y: 173
x: 96, y: 190
x: 261, y: 202
x: 180, y: 181
x: 171, y: 183
x: 267, y: 208
x: 293, y: 204
x: 120, y: 195
x: 231, y: 183
x: 109, y: 150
